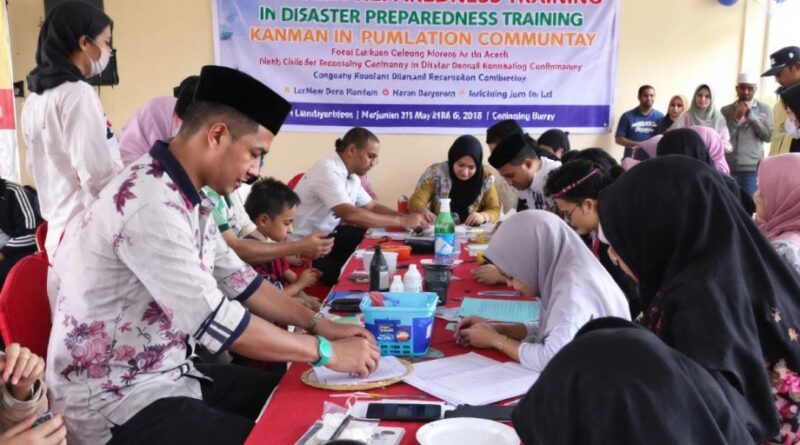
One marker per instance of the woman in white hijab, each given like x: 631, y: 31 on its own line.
x: 703, y: 113
x: 542, y: 256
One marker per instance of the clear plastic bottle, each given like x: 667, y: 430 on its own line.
x: 444, y: 235
x: 397, y: 284
x: 412, y: 280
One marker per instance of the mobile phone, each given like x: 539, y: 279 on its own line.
x: 349, y: 305
x: 42, y: 419
x: 412, y: 412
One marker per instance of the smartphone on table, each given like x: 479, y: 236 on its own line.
x: 411, y: 412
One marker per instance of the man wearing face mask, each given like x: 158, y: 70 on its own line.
x: 750, y: 125
x: 785, y: 66
x: 71, y: 151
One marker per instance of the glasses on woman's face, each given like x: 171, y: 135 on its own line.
x: 568, y: 215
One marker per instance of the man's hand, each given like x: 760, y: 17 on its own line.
x: 355, y: 354
x: 415, y: 221
x: 334, y: 331
x: 488, y: 274
x: 52, y: 432
x: 308, y: 277
x: 741, y: 110
x: 429, y: 216
x: 315, y: 245
x: 308, y: 301
x: 21, y: 369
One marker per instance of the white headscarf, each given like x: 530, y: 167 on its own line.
x: 537, y: 248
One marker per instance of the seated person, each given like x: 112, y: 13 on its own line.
x: 159, y: 119
x: 463, y: 179
x: 272, y: 207
x: 23, y: 399
x: 575, y: 187
x: 19, y: 218
x: 516, y: 160
x: 541, y: 256
x: 778, y: 205
x: 331, y: 192
x: 554, y: 141
x: 144, y: 269
x: 496, y: 133
x: 615, y: 384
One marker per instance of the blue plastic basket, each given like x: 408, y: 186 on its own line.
x: 404, y: 326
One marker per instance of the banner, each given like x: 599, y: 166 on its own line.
x: 9, y: 153
x: 428, y: 66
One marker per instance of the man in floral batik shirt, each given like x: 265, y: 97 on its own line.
x: 144, y: 268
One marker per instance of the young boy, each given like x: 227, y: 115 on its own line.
x: 272, y: 207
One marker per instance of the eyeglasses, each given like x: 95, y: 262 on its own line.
x: 568, y: 215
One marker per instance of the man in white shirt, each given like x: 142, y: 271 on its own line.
x: 144, y: 269
x: 331, y: 192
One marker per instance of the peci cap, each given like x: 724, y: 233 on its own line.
x: 747, y: 79
x: 780, y: 58
x: 243, y: 93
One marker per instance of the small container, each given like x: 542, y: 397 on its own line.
x: 437, y: 279
x: 412, y: 280
x: 402, y: 204
x: 397, y: 284
x: 403, y: 327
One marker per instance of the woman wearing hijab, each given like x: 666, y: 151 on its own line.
x: 677, y: 105
x: 574, y: 187
x: 703, y: 113
x: 716, y: 147
x: 710, y: 284
x: 778, y: 205
x: 541, y: 256
x: 463, y: 179
x: 157, y: 120
x: 72, y: 152
x: 617, y: 383
x: 688, y: 142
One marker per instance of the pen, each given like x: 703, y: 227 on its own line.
x: 341, y: 427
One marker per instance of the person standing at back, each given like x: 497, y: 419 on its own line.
x: 640, y: 123
x: 72, y: 152
x: 750, y: 125
x: 785, y: 66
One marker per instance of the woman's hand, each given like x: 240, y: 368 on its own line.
x: 21, y: 369
x: 52, y: 432
x: 488, y: 274
x: 479, y: 335
x: 475, y: 219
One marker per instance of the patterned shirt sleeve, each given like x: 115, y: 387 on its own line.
x: 236, y: 279
x: 158, y: 245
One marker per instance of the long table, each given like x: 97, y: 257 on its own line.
x: 295, y: 406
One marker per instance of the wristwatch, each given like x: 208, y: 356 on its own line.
x: 325, y: 352
x: 313, y: 323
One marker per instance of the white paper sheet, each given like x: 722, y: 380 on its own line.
x: 471, y: 379
x: 388, y: 368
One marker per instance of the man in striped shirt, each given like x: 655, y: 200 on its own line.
x: 18, y: 220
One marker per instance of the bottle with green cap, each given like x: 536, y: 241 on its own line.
x: 444, y: 235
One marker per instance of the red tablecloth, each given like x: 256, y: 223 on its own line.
x: 295, y: 406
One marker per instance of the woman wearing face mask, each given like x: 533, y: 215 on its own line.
x: 541, y: 256
x: 72, y: 153
x: 703, y: 113
x: 463, y: 179
x: 677, y: 105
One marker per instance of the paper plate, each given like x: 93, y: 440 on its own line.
x: 467, y: 430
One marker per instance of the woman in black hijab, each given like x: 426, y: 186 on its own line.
x: 464, y: 180
x: 687, y: 142
x: 617, y: 383
x: 711, y: 286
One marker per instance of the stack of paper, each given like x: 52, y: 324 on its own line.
x: 388, y: 368
x: 507, y: 311
x: 471, y: 379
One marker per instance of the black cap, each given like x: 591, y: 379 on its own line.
x: 501, y: 130
x: 508, y: 149
x: 781, y: 58
x: 244, y: 94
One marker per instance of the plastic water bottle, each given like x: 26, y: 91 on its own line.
x: 397, y: 284
x: 378, y: 272
x: 412, y: 280
x: 444, y: 235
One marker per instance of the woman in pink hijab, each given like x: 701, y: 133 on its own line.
x: 716, y: 147
x: 778, y: 204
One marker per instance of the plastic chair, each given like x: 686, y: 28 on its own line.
x: 25, y: 316
x: 293, y: 182
x: 41, y: 236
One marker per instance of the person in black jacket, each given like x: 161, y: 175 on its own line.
x: 18, y: 221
